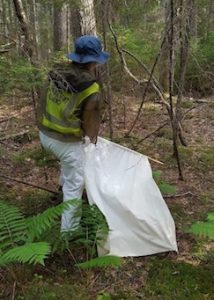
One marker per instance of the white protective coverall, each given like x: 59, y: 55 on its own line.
x: 71, y: 158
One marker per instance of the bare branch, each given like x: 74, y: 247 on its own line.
x: 186, y: 194
x: 153, y: 132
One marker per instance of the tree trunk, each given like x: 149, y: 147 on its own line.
x: 185, y: 19
x: 75, y: 23
x: 88, y: 21
x: 34, y: 26
x: 173, y: 117
x: 4, y: 13
x: 107, y: 91
x: 59, y: 26
x: 164, y: 62
x: 83, y: 19
x: 26, y: 46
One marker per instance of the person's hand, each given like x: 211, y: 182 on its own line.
x: 86, y: 141
x: 94, y: 140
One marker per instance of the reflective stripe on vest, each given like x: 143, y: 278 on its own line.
x: 61, y: 108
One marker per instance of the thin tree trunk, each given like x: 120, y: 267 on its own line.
x: 5, y: 20
x: 34, y: 26
x: 88, y: 21
x: 174, y: 120
x: 108, y: 92
x: 59, y: 26
x: 27, y: 48
x: 164, y: 62
x: 185, y: 25
x: 83, y: 19
x: 75, y: 22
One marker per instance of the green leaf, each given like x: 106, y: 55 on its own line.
x: 31, y: 253
x: 101, y: 262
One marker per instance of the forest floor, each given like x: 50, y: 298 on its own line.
x: 186, y: 275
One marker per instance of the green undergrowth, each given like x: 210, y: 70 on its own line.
x: 197, y: 158
x: 169, y: 280
x: 165, y: 133
x: 181, y: 217
x: 195, y: 210
x: 38, y: 155
x: 49, y: 290
x: 165, y: 187
x: 203, y: 251
x: 165, y: 280
x: 30, y: 202
x: 200, y: 158
x: 204, y: 229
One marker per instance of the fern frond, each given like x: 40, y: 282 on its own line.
x: 205, y: 229
x: 12, y: 226
x: 210, y: 217
x: 37, y: 225
x: 31, y: 253
x: 101, y: 262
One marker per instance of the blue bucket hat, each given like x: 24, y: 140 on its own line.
x: 88, y: 49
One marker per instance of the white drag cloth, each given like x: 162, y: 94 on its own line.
x: 119, y: 181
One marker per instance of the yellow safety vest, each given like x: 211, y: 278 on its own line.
x: 61, y: 109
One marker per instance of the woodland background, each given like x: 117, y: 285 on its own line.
x: 158, y: 95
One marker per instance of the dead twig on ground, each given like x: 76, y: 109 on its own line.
x: 29, y: 184
x: 14, y: 135
x: 8, y: 145
x: 14, y: 291
x: 153, y: 132
x: 186, y: 194
x: 9, y: 118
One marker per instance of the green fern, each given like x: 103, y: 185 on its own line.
x: 205, y: 229
x: 40, y: 223
x: 31, y: 253
x: 17, y: 234
x: 28, y: 240
x: 101, y: 262
x: 92, y: 231
x: 12, y: 226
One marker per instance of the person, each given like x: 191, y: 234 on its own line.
x: 70, y: 115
